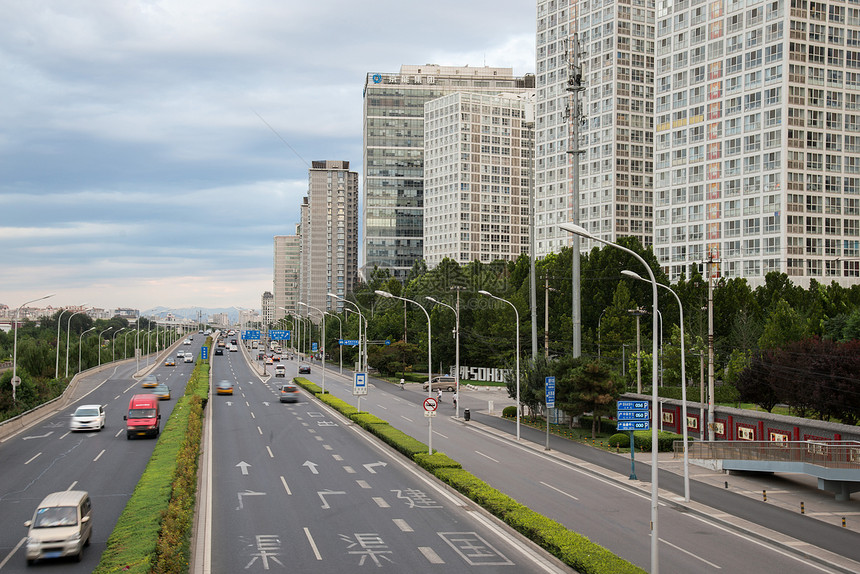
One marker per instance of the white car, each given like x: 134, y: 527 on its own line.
x: 189, y: 358
x: 180, y: 353
x: 88, y: 417
x: 186, y: 342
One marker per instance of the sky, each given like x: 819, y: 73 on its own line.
x: 150, y: 150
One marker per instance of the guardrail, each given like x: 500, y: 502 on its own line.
x: 829, y: 454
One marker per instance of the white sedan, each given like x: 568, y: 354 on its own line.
x: 88, y: 417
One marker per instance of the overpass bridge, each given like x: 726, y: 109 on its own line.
x: 836, y: 464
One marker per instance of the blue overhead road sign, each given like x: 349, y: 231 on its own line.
x: 251, y: 334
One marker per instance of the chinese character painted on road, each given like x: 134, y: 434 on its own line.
x: 267, y: 548
x: 369, y: 545
x: 416, y: 498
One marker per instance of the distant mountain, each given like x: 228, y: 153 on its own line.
x: 193, y: 313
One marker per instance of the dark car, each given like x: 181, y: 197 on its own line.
x: 219, y: 351
x: 289, y: 394
x: 304, y: 369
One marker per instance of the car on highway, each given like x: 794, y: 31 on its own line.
x: 88, y: 417
x: 280, y: 370
x: 442, y: 383
x: 267, y: 360
x: 219, y: 351
x: 289, y: 393
x: 144, y: 416
x: 222, y: 344
x: 162, y: 391
x: 169, y: 362
x: 180, y: 353
x: 189, y: 358
x: 61, y: 526
x: 304, y: 369
x: 233, y: 348
x: 224, y: 388
x: 149, y: 381
x: 186, y: 342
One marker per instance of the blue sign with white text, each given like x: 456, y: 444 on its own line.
x: 633, y: 425
x: 634, y: 415
x: 633, y: 405
x: 251, y: 335
x: 348, y: 342
x: 279, y: 335
x: 550, y: 392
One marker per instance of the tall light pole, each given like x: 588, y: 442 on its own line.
x: 68, y: 334
x: 15, y: 380
x: 517, y: 313
x: 323, y: 339
x: 80, y: 342
x: 125, y: 343
x: 429, y: 359
x: 456, y: 347
x: 100, y: 344
x: 59, y: 323
x: 360, y: 320
x: 598, y: 332
x: 683, y: 381
x: 340, y: 338
x: 113, y: 348
x: 581, y: 231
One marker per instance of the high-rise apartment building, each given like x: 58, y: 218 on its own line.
x: 393, y: 170
x: 267, y: 307
x: 616, y: 62
x: 477, y: 171
x: 758, y: 138
x: 287, y: 266
x: 329, y: 235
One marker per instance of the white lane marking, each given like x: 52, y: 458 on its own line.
x: 440, y: 434
x: 410, y: 420
x: 313, y: 544
x: 380, y: 502
x: 34, y: 458
x: 327, y: 446
x: 688, y: 553
x: 486, y: 456
x: 270, y: 452
x: 65, y: 435
x: 116, y: 397
x: 259, y: 430
x: 362, y: 483
x: 383, y: 407
x: 12, y: 553
x: 253, y: 416
x: 286, y: 487
x: 337, y: 457
x: 559, y: 491
x: 99, y: 455
x: 71, y: 486
x: 430, y: 555
x: 402, y: 525
x: 349, y: 470
x: 119, y: 432
x: 319, y: 437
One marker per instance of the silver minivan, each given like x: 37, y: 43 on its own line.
x: 61, y: 526
x: 442, y: 383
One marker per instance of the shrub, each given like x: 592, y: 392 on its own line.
x: 398, y: 439
x: 621, y: 440
x: 366, y: 419
x: 307, y: 385
x: 510, y: 412
x: 665, y: 440
x: 435, y: 461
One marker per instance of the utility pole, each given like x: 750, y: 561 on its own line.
x: 638, y: 312
x: 711, y: 263
x: 575, y: 88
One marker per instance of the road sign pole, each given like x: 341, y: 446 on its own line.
x: 632, y: 458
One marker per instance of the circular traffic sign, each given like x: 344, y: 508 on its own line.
x: 430, y: 404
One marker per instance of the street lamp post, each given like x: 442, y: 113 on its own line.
x: 598, y: 332
x: 113, y: 347
x: 323, y: 339
x: 429, y: 359
x: 517, y: 313
x: 683, y: 381
x: 360, y: 320
x: 581, y: 231
x: 68, y: 333
x: 59, y: 323
x: 80, y: 342
x: 456, y: 348
x: 100, y: 344
x: 15, y: 345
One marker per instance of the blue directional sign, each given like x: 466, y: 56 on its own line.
x: 550, y: 392
x: 633, y: 425
x: 633, y: 405
x: 279, y: 335
x: 204, y: 352
x: 251, y: 334
x: 633, y: 415
x: 387, y: 342
x: 348, y: 342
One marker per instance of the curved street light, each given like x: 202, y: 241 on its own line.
x: 80, y: 342
x: 15, y: 380
x: 59, y: 323
x: 113, y: 348
x: 100, y: 344
x: 68, y: 334
x: 635, y: 275
x: 456, y: 351
x: 323, y: 339
x: 360, y: 320
x: 340, y: 339
x: 517, y: 313
x: 582, y: 232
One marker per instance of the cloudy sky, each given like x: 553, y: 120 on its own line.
x: 137, y: 168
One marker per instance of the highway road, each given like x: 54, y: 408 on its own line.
x: 297, y: 487
x: 48, y: 458
x: 614, y: 514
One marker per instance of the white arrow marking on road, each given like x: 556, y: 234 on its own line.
x: 250, y: 382
x: 228, y: 403
x: 266, y: 403
x: 370, y: 466
x: 46, y: 435
x: 244, y: 466
x: 247, y: 493
x: 312, y: 466
x: 320, y: 493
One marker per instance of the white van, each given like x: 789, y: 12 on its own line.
x: 61, y: 526
x: 280, y: 371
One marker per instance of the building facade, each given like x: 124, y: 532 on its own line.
x: 287, y: 267
x: 329, y: 236
x: 393, y: 168
x: 477, y: 176
x: 758, y: 138
x: 267, y: 307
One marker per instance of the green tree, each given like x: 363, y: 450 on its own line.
x: 784, y: 325
x: 587, y: 387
